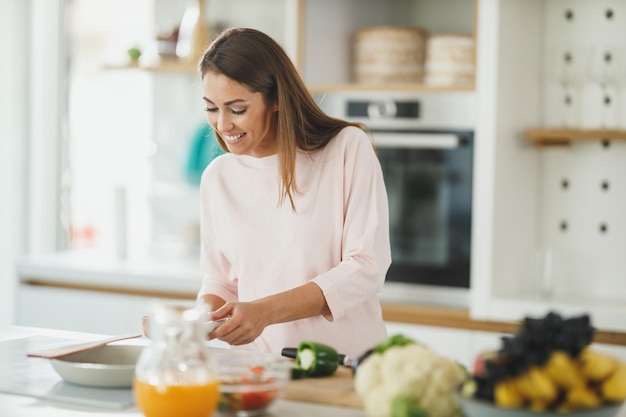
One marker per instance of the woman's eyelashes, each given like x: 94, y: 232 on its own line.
x: 233, y: 111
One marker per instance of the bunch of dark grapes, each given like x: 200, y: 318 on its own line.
x: 532, y: 344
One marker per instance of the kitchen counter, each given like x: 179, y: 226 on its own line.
x: 25, y: 406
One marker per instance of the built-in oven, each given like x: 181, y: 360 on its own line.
x: 425, y: 144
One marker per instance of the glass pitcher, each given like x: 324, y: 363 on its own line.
x: 173, y: 376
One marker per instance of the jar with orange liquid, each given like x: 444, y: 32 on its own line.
x: 173, y: 376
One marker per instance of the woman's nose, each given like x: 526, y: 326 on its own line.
x: 223, y: 122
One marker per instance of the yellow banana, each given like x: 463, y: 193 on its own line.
x: 507, y: 395
x: 582, y: 397
x: 614, y: 387
x: 596, y: 366
x: 539, y: 406
x: 535, y: 384
x: 562, y: 369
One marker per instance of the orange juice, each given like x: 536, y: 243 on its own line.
x: 177, y: 400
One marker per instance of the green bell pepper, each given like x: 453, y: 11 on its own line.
x: 316, y: 359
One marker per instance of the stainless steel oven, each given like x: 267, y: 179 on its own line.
x: 425, y: 144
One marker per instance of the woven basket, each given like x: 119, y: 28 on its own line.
x: 449, y: 60
x: 389, y: 54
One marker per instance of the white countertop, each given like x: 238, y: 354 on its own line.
x: 25, y: 406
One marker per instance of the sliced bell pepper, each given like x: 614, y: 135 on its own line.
x: 316, y: 359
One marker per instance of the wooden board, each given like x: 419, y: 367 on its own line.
x: 337, y: 389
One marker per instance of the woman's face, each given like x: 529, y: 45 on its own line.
x: 242, y: 117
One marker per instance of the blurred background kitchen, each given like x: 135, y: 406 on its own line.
x: 499, y: 123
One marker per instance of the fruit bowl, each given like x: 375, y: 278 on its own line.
x: 473, y: 407
x: 249, y: 381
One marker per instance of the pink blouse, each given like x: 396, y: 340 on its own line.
x: 338, y: 238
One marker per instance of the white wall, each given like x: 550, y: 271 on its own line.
x: 14, y: 41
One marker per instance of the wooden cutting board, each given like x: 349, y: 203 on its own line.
x: 337, y: 389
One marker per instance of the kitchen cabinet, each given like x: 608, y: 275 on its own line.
x: 81, y: 310
x: 537, y: 69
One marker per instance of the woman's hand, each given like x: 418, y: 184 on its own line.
x: 247, y: 321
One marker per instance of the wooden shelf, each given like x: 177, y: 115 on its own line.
x: 173, y: 66
x: 552, y: 137
x: 327, y: 88
x: 164, y: 66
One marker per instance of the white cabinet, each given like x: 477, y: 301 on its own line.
x: 569, y: 199
x: 81, y: 310
x: 91, y: 311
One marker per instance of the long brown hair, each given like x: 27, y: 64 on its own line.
x: 254, y: 59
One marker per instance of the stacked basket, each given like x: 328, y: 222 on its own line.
x: 407, y: 54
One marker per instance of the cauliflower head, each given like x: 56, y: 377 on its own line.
x: 413, y: 372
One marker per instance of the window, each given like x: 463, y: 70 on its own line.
x: 109, y: 116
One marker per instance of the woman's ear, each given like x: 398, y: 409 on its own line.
x: 275, y: 107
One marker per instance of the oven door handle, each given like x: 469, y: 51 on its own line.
x: 416, y: 140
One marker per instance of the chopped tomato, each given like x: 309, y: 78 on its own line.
x: 256, y: 400
x: 232, y: 402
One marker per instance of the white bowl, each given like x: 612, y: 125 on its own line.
x: 473, y: 407
x: 110, y: 366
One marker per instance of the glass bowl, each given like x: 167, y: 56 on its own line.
x: 249, y: 381
x: 473, y: 407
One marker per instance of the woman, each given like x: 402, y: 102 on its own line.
x: 294, y: 219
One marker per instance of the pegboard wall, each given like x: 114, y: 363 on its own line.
x: 583, y: 201
x: 585, y: 63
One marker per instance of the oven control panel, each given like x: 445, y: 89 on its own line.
x: 394, y: 110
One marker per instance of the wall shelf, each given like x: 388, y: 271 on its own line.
x: 172, y: 66
x: 552, y: 137
x: 327, y: 88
